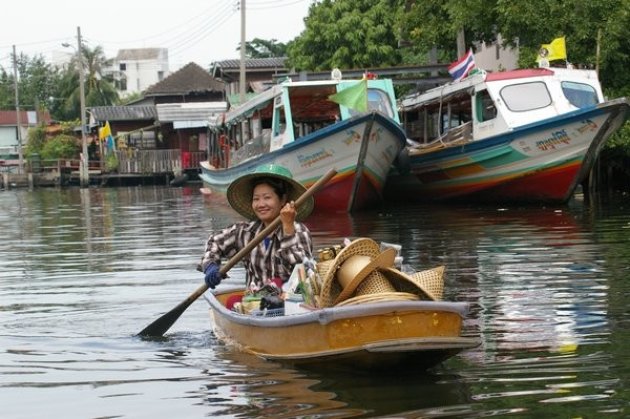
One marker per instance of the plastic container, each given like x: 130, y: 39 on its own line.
x: 293, y: 304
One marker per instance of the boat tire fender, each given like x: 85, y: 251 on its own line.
x: 402, y: 162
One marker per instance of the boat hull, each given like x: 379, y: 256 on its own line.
x: 539, y: 162
x: 386, y: 334
x: 361, y: 150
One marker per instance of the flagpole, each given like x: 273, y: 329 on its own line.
x: 242, y: 89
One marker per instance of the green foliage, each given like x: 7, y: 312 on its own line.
x: 43, y: 86
x: 131, y: 97
x: 111, y: 162
x: 427, y: 24
x: 619, y: 143
x: 261, y: 48
x: 347, y: 34
x: 36, y: 83
x: 63, y: 146
x: 60, y: 147
x: 36, y: 139
x: 99, y: 90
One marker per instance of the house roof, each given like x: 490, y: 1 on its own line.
x: 26, y: 117
x: 187, y: 80
x: 133, y: 54
x: 251, y: 63
x: 195, y: 111
x: 123, y: 113
x: 190, y: 115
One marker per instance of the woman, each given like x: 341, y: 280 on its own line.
x: 261, y: 196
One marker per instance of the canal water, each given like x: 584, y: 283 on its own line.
x: 83, y: 270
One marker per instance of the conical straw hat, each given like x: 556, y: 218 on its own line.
x: 357, y: 273
x: 380, y: 297
x: 429, y: 282
x: 240, y: 191
x: 330, y: 286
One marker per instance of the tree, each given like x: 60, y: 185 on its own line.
x: 44, y: 86
x: 61, y: 146
x: 426, y: 24
x: 99, y: 90
x: 37, y: 82
x: 347, y: 34
x: 261, y: 48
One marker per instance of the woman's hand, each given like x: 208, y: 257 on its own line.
x: 287, y: 216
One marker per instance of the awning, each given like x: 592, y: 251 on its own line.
x: 189, y: 124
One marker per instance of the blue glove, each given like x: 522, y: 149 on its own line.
x: 213, y: 276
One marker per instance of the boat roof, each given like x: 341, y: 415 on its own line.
x: 461, y: 87
x: 519, y: 74
x: 262, y: 99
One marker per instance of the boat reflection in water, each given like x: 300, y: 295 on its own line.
x: 269, y: 389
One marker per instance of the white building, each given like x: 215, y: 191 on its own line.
x: 136, y: 69
x: 496, y: 56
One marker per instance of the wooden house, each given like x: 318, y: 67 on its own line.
x: 165, y: 127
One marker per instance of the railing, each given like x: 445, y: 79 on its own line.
x: 136, y: 162
x: 157, y: 161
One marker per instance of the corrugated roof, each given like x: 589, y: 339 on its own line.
x: 196, y: 111
x: 26, y: 117
x: 123, y: 113
x: 250, y: 63
x: 189, y: 79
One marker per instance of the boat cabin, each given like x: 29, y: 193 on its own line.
x: 486, y: 104
x: 285, y: 113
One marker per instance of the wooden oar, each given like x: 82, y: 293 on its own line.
x: 161, y: 325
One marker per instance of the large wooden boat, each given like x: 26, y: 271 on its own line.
x: 516, y: 136
x: 296, y: 125
x: 384, y: 334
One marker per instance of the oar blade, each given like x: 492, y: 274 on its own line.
x: 164, y: 322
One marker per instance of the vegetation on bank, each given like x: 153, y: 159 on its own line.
x: 61, y: 145
x: 351, y: 34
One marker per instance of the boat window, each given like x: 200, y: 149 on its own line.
x: 485, y: 109
x: 526, y: 96
x: 579, y: 94
x: 280, y: 123
x: 378, y: 100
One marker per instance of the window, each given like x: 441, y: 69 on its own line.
x: 579, y: 94
x: 139, y: 139
x: 377, y: 101
x: 526, y: 96
x: 485, y: 109
x: 123, y: 66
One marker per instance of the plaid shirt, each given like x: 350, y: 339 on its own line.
x: 264, y: 262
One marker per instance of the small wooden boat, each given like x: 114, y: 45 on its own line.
x: 380, y: 334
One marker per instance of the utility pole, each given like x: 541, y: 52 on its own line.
x: 242, y: 67
x: 84, y: 164
x: 461, y: 43
x: 17, y: 113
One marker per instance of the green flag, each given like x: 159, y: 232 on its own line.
x: 353, y: 97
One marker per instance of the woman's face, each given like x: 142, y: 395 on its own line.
x: 266, y: 203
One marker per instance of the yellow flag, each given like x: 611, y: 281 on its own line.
x: 353, y: 97
x: 556, y: 50
x: 104, y: 132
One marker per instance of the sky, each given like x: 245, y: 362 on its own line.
x: 192, y: 30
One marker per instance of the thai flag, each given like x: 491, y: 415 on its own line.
x: 460, y: 68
